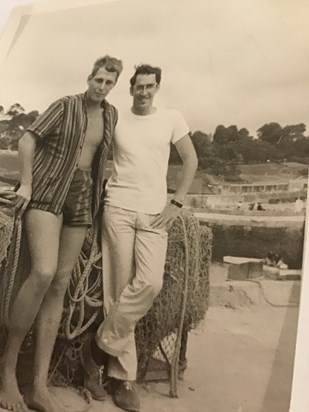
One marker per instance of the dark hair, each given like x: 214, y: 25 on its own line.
x: 146, y: 69
x: 111, y: 64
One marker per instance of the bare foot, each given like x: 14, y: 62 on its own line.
x: 10, y: 397
x: 42, y: 399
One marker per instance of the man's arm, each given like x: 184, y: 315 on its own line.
x: 26, y: 149
x: 188, y: 156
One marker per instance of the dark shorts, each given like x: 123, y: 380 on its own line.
x: 77, y: 208
x: 78, y: 203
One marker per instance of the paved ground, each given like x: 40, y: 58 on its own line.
x: 240, y: 361
x: 238, y: 294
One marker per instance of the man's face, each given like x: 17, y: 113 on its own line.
x: 143, y: 92
x: 100, y: 85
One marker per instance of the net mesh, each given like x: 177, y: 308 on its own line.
x: 6, y: 229
x: 157, y: 332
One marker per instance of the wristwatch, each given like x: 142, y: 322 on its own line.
x: 175, y: 203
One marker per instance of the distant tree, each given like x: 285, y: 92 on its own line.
x: 4, y: 143
x: 232, y: 174
x: 258, y: 151
x: 14, y: 125
x: 231, y: 146
x: 2, y: 113
x: 300, y: 149
x: 201, y: 142
x: 224, y: 135
x: 294, y: 144
x: 243, y: 134
x: 33, y: 115
x: 15, y: 110
x: 270, y: 132
x: 294, y: 132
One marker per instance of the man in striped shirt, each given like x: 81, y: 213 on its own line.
x: 62, y: 157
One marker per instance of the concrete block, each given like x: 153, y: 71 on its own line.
x: 255, y: 268
x: 241, y: 268
x: 289, y: 274
x: 270, y: 272
x: 274, y: 273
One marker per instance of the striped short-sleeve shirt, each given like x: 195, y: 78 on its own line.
x: 61, y: 132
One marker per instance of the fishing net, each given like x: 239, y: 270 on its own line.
x: 161, y: 335
x: 159, y: 332
x: 6, y: 229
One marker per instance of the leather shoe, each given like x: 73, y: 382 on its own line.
x: 93, y: 373
x: 126, y: 397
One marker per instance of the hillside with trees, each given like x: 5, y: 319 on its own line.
x: 218, y: 154
x: 229, y: 146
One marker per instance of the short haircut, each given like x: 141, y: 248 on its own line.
x: 146, y: 69
x: 111, y: 64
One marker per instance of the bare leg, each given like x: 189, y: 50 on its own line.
x: 49, y: 317
x: 43, y: 229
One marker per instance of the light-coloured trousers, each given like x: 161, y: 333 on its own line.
x: 133, y: 256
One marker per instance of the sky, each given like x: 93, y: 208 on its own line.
x: 240, y: 62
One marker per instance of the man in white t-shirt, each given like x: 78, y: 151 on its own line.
x: 134, y: 237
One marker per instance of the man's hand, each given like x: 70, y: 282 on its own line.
x: 23, y: 198
x: 166, y: 218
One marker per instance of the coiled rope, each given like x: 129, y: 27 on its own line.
x: 8, y: 198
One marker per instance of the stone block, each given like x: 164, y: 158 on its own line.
x: 241, y: 268
x: 290, y: 274
x: 275, y: 273
x: 271, y: 272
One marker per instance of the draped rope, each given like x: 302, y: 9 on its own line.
x: 186, y: 288
x: 81, y: 293
x: 8, y: 198
x: 175, y: 357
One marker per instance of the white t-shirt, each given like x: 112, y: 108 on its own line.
x: 141, y: 149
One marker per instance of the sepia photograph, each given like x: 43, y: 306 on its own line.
x: 153, y: 199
